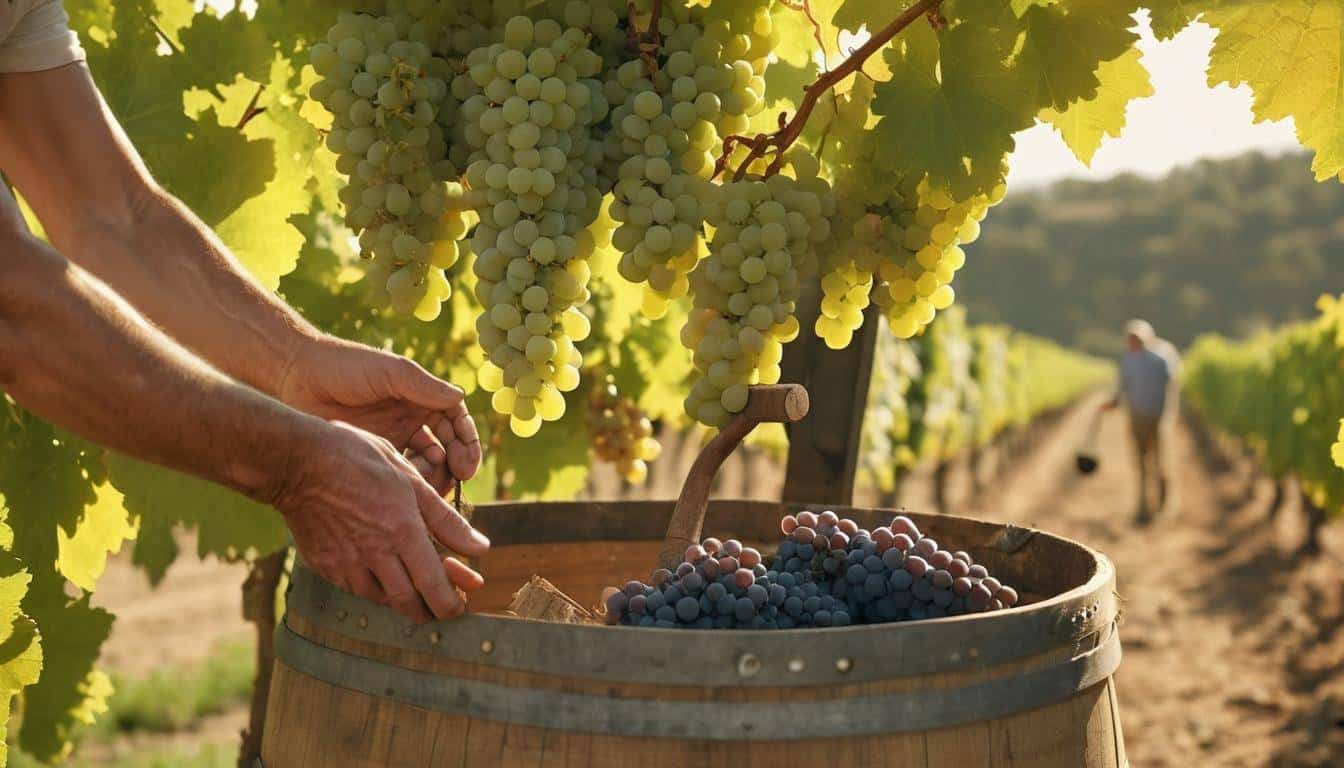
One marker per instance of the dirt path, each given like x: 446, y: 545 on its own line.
x: 197, y: 606
x: 1232, y: 644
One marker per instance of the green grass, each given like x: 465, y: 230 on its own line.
x: 171, y: 698
x: 168, y: 700
x: 209, y: 756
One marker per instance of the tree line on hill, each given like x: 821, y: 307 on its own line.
x: 1222, y: 245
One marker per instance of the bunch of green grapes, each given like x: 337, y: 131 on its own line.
x: 765, y: 237
x: 622, y: 435
x: 384, y: 91
x: 530, y: 103
x: 673, y: 101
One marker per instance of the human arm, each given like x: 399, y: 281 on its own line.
x: 75, y: 352
x: 100, y: 207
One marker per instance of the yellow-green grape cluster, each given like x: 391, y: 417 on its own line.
x: 765, y: 236
x: 384, y: 91
x: 846, y: 284
x: 622, y: 435
x: 665, y: 130
x: 918, y: 231
x: 527, y: 116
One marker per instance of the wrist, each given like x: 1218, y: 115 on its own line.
x: 285, y: 466
x: 304, y: 345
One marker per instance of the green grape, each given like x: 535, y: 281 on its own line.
x: 536, y: 191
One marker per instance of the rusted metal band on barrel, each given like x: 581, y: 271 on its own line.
x: 841, y: 655
x: 786, y: 720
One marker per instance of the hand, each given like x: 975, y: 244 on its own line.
x: 389, y: 396
x: 362, y: 518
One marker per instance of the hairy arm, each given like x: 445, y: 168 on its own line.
x: 74, y: 352
x: 64, y: 150
x: 60, y: 145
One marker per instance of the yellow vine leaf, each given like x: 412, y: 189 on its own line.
x: 1086, y: 122
x: 1291, y: 54
x: 83, y: 554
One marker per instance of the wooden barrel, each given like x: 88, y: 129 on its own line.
x: 356, y: 685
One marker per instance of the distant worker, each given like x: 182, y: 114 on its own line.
x: 1147, y: 375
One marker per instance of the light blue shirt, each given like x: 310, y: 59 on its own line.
x: 1144, y: 378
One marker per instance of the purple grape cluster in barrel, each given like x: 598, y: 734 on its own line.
x: 827, y: 572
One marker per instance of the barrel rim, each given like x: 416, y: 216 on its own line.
x: 831, y: 655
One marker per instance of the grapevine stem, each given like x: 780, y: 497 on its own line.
x: 790, y: 131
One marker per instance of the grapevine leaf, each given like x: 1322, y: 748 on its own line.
x: 1064, y: 44
x: 1087, y: 121
x: 854, y: 15
x: 82, y: 556
x: 229, y: 526
x: 259, y: 230
x: 1169, y: 17
x: 72, y: 691
x: 221, y: 47
x: 951, y: 108
x: 1289, y: 53
x: 211, y: 151
x: 1020, y: 7
x: 552, y: 464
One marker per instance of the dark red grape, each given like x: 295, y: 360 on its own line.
x: 941, y: 559
x: 941, y: 579
x: 961, y: 586
x: 660, y: 577
x: 743, y: 578
x: 804, y: 534
x: 848, y: 526
x: 884, y: 538
x: 980, y: 595
x: 638, y: 604
x: 787, y: 524
x: 926, y: 547
x: 992, y: 584
x: 978, y: 571
x: 808, y: 519
x: 903, y: 524
x: 633, y: 588
x: 903, y: 542
x: 712, y: 546
x: 710, y: 568
x: 959, y: 568
x: 684, y: 569
x: 732, y: 547
x: 996, y: 604
x: 728, y: 564
x: 916, y: 565
x: 828, y: 518
x: 839, y: 540
x: 749, y: 557
x: 1007, y: 596
x: 964, y: 556
x: 695, y: 553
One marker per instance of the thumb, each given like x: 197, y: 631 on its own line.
x: 408, y: 381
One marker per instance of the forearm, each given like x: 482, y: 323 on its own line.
x: 178, y: 274
x: 74, y: 352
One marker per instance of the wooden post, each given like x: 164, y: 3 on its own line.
x: 259, y: 596
x: 824, y: 448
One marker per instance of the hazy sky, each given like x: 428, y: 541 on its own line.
x: 1184, y: 120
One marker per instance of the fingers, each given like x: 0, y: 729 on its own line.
x: 399, y: 589
x: 462, y: 575
x: 457, y: 432
x: 406, y: 379
x: 430, y: 577
x: 361, y: 582
x: 426, y: 444
x: 450, y: 528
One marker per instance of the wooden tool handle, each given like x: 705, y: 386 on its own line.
x: 779, y: 403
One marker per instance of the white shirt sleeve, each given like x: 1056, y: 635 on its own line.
x: 41, y: 40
